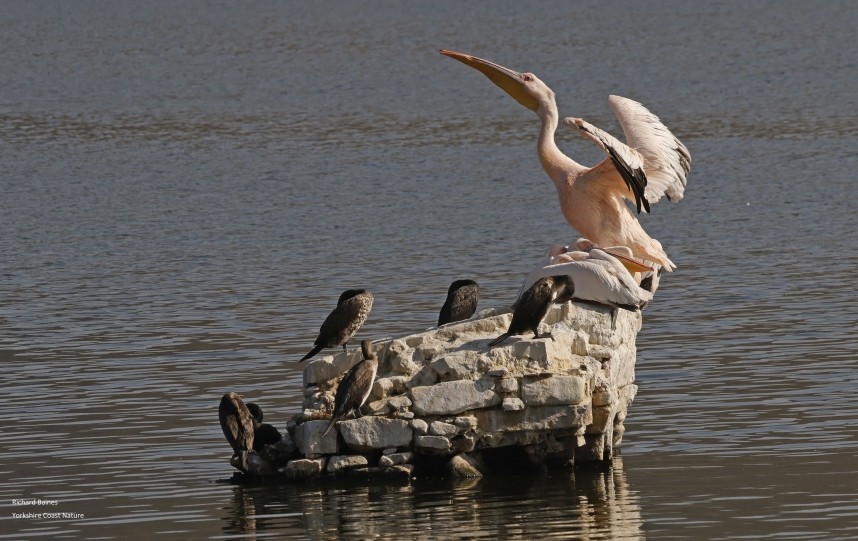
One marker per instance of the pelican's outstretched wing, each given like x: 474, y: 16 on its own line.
x: 628, y: 162
x: 666, y: 160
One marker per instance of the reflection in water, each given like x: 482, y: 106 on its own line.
x: 585, y: 503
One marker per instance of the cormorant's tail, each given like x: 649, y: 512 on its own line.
x: 499, y: 339
x: 313, y: 351
x: 330, y: 426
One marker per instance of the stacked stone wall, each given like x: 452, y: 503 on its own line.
x: 444, y: 397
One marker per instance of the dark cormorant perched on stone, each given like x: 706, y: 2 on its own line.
x: 355, y: 386
x: 534, y: 304
x: 263, y: 434
x: 461, y: 302
x: 344, y: 321
x: 237, y: 423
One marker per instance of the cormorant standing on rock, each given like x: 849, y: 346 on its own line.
x: 344, y: 321
x: 263, y: 434
x: 355, y: 386
x: 461, y: 302
x: 534, y: 304
x: 237, y: 422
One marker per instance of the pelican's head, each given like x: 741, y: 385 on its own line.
x: 585, y: 245
x: 569, y: 256
x: 555, y: 250
x: 526, y: 88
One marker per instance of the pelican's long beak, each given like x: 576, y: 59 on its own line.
x: 631, y: 264
x: 510, y: 81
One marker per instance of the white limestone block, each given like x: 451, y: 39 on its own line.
x: 465, y: 422
x: 512, y: 404
x: 399, y: 403
x: 465, y: 364
x: 554, y: 390
x: 327, y: 368
x: 462, y: 466
x: 372, y: 432
x: 308, y: 438
x: 535, y: 419
x: 604, y: 394
x: 420, y: 427
x: 303, y: 468
x: 345, y: 462
x: 603, y: 416
x: 507, y: 385
x: 432, y: 442
x: 389, y: 386
x: 438, y: 428
x: 395, y: 459
x: 452, y: 397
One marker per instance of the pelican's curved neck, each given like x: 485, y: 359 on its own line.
x: 556, y: 164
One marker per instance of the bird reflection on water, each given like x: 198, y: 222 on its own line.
x: 584, y: 503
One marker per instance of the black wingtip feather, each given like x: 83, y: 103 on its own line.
x: 635, y: 180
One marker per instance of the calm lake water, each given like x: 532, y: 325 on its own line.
x: 187, y: 188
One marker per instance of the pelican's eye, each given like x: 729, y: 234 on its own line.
x: 527, y: 77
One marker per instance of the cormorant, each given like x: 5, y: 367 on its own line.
x: 354, y: 388
x: 534, y: 304
x: 237, y: 422
x: 263, y: 433
x: 342, y: 323
x: 461, y: 302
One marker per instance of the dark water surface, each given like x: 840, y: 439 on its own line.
x: 187, y: 187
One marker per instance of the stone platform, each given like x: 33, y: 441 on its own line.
x: 445, y: 403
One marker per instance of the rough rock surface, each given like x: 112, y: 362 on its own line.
x: 344, y: 462
x: 373, y: 432
x: 444, y: 393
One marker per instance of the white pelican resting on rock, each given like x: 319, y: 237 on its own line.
x: 646, y: 277
x: 599, y: 278
x: 653, y: 163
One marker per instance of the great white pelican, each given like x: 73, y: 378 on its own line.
x: 653, y: 163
